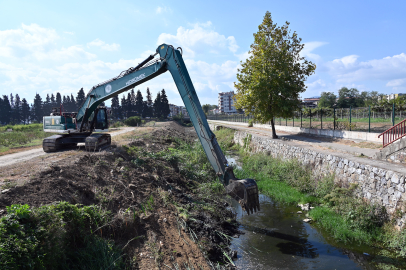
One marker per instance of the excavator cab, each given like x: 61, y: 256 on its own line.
x: 98, y: 119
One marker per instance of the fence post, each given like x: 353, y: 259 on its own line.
x: 293, y: 119
x: 321, y: 118
x: 334, y: 124
x: 369, y: 119
x: 350, y: 117
x: 286, y: 121
x: 393, y: 114
x: 310, y: 118
x: 301, y: 114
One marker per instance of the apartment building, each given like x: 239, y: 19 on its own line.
x: 175, y: 110
x: 226, y: 102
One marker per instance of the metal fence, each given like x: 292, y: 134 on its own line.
x: 353, y: 119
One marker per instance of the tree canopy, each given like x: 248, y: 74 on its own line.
x: 327, y: 100
x: 273, y: 76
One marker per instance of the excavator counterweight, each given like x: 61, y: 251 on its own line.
x: 91, y: 117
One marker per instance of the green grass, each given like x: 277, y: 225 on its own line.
x: 21, y: 136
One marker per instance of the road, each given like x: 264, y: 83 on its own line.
x: 19, y: 157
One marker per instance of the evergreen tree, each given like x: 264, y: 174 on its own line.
x: 53, y: 101
x: 124, y: 107
x: 149, y: 108
x: 11, y: 100
x: 157, y: 105
x: 58, y: 99
x: 37, y: 109
x: 145, y: 109
x: 129, y: 106
x: 115, y: 107
x: 165, y: 111
x: 72, y: 104
x: 139, y: 103
x: 80, y: 98
x: 17, y: 110
x: 47, y: 106
x: 25, y: 111
x: 5, y: 110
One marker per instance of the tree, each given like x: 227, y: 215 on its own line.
x: 157, y: 105
x: 149, y: 112
x: 72, y: 106
x: 115, y: 107
x: 17, y: 110
x: 165, y: 110
x: 37, y: 110
x: 129, y: 106
x: 5, y: 109
x: 327, y: 100
x: 123, y: 107
x: 58, y: 99
x: 53, y: 102
x: 47, y: 106
x: 139, y: 103
x: 206, y: 108
x: 349, y: 97
x: 25, y: 111
x: 271, y: 79
x: 80, y: 98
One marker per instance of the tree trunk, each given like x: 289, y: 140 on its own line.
x: 274, y: 136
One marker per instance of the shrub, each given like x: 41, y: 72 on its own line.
x: 133, y: 121
x: 250, y: 123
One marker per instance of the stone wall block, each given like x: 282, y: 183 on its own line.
x: 395, y: 178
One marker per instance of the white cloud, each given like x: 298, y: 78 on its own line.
x: 160, y: 10
x: 201, y: 38
x: 309, y: 47
x: 104, y: 46
x: 391, y: 69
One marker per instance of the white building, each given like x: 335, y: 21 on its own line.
x: 226, y: 102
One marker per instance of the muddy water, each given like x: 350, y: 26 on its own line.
x: 277, y: 238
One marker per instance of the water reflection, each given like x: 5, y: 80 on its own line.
x: 277, y: 238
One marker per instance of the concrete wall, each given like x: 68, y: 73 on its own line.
x: 377, y: 185
x: 355, y: 135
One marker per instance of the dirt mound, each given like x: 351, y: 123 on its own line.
x: 147, y: 195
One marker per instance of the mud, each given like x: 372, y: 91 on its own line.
x: 144, y: 193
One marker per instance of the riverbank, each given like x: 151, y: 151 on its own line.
x: 154, y: 202
x: 336, y: 209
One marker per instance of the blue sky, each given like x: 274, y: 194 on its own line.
x: 51, y: 46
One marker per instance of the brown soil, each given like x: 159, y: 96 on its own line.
x: 157, y: 234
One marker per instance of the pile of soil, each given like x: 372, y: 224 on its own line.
x: 146, y: 195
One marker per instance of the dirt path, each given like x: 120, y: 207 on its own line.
x: 19, y: 157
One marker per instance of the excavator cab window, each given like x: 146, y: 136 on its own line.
x: 101, y: 120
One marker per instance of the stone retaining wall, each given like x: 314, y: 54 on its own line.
x: 374, y: 184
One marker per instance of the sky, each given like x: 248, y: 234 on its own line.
x: 61, y: 46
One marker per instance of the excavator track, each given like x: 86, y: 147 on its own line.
x: 95, y: 141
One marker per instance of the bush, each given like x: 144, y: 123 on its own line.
x: 250, y: 123
x: 133, y: 121
x: 58, y: 236
x: 117, y: 124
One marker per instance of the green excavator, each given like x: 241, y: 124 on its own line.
x: 87, y: 125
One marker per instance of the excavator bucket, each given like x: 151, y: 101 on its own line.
x: 245, y: 192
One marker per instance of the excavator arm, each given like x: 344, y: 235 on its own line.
x: 245, y: 191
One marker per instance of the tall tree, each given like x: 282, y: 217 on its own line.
x: 206, y: 108
x: 11, y: 100
x: 115, y: 108
x: 145, y: 109
x: 349, y: 97
x: 37, y: 110
x: 165, y: 110
x: 271, y: 79
x: 129, y: 106
x: 25, y: 111
x: 72, y: 106
x: 149, y: 108
x: 327, y: 100
x: 124, y: 107
x: 58, y: 99
x: 139, y: 103
x: 80, y: 98
x: 47, y: 106
x: 5, y: 109
x: 157, y: 105
x: 53, y: 101
x: 17, y: 110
